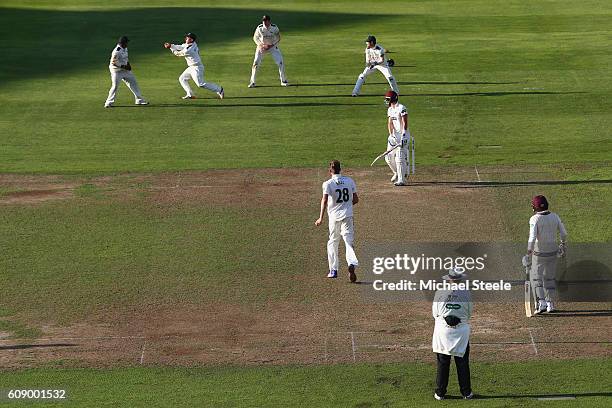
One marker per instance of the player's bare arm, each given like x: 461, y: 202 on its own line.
x: 390, y: 125
x: 355, y: 198
x: 324, y: 199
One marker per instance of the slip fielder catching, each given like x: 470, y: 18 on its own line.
x: 339, y: 196
x: 375, y: 59
x: 195, y: 68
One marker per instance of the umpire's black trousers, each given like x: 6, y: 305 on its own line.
x: 463, y: 372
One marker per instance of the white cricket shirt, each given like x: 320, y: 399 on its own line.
x: 543, y: 227
x: 189, y: 51
x: 340, y: 190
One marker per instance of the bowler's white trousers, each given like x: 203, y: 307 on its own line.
x: 130, y: 81
x: 343, y: 228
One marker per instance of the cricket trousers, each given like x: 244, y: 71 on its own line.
x: 341, y: 229
x: 128, y: 79
x: 278, y: 59
x: 385, y: 70
x: 463, y: 373
x: 196, y: 73
x: 542, y: 275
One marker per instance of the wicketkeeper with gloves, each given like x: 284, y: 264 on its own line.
x: 543, y: 249
x: 452, y: 310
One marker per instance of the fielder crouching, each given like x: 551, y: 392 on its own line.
x: 452, y: 310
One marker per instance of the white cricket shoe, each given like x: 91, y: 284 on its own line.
x: 354, y: 94
x: 285, y: 83
x: 188, y: 97
x: 221, y: 94
x: 399, y: 184
x: 332, y: 274
x: 108, y: 105
x: 394, y: 178
x: 142, y: 102
x: 437, y: 397
x: 550, y: 307
x: 469, y: 396
x: 540, y: 308
x: 252, y: 85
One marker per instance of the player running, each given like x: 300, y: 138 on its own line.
x: 543, y: 249
x: 195, y: 68
x: 339, y: 196
x: 375, y: 60
x: 398, y: 140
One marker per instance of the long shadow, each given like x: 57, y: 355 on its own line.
x: 575, y: 395
x: 30, y: 346
x: 487, y: 184
x: 264, y: 105
x: 578, y: 313
x: 399, y: 83
x: 68, y: 40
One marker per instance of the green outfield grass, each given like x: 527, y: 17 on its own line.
x: 530, y: 76
x: 361, y: 385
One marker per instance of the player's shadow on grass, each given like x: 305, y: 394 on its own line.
x: 50, y: 42
x: 493, y: 184
x: 259, y: 105
x: 30, y: 346
x: 578, y: 313
x: 298, y: 85
x: 569, y: 396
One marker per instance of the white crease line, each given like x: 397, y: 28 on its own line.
x: 353, y: 345
x: 477, y: 174
x: 143, y: 351
x: 325, y: 349
x: 535, y: 348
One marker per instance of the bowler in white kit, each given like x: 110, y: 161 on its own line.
x: 121, y: 70
x: 339, y: 196
x: 195, y: 68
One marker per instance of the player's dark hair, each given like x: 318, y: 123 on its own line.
x: 265, y: 18
x: 335, y: 166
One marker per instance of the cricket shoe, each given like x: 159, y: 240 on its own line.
x: 252, y: 85
x: 550, y: 307
x: 352, y: 276
x: 438, y: 397
x: 332, y: 274
x: 469, y: 396
x: 108, y: 105
x: 399, y: 184
x: 540, y: 307
x: 285, y: 83
x: 221, y: 94
x: 188, y: 97
x: 394, y: 178
x: 141, y: 102
x: 354, y: 94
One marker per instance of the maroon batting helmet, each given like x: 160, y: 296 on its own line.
x: 539, y: 203
x: 391, y: 97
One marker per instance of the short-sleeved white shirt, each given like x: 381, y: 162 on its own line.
x: 340, y: 190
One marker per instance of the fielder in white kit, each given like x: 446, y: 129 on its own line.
x: 195, y: 68
x: 121, y: 70
x: 267, y: 37
x: 375, y: 59
x: 399, y: 138
x: 339, y: 196
x: 543, y: 249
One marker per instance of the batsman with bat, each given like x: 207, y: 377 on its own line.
x: 399, y: 140
x: 542, y: 253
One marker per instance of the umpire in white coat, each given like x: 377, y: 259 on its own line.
x: 452, y: 310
